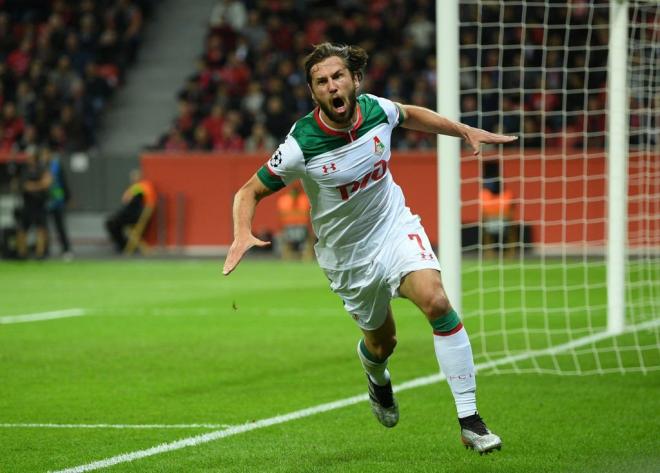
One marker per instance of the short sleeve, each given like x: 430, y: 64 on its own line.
x: 392, y: 110
x: 284, y: 166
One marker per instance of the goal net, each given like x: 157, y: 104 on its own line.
x: 536, y: 215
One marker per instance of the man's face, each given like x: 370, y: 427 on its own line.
x: 334, y: 88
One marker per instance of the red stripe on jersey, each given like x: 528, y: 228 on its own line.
x: 451, y: 332
x: 352, y: 133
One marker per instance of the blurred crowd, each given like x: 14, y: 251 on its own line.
x: 546, y: 81
x: 533, y: 70
x: 537, y: 70
x: 60, y: 61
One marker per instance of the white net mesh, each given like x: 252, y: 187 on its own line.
x: 535, y: 214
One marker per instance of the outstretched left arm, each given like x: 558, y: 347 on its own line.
x: 424, y: 119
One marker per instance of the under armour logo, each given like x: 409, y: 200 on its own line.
x: 426, y: 256
x: 327, y: 169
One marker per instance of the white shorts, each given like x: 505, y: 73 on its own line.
x: 368, y: 287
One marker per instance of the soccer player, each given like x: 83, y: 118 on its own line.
x: 370, y: 246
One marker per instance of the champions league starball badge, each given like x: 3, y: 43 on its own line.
x: 276, y: 159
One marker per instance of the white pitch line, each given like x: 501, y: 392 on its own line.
x: 330, y: 406
x: 116, y: 426
x: 55, y: 314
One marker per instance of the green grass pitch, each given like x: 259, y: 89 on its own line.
x: 166, y: 343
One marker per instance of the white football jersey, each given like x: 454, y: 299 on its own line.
x: 346, y: 176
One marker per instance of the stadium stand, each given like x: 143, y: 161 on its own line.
x: 60, y: 62
x: 250, y: 70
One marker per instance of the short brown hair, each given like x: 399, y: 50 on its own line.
x: 354, y: 57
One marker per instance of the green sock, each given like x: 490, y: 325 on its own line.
x: 446, y: 324
x: 375, y: 368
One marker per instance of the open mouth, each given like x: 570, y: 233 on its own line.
x: 338, y: 105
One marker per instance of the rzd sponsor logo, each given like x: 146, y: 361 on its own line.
x: 380, y: 169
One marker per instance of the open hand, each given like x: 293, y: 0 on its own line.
x: 238, y: 248
x: 476, y: 136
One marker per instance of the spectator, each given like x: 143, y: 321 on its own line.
x: 469, y: 112
x: 253, y: 101
x: 98, y: 89
x: 73, y: 128
x: 295, y: 237
x: 214, y: 122
x: 260, y: 140
x: 277, y: 119
x: 6, y: 144
x: 139, y: 195
x: 422, y: 31
x: 235, y: 75
x: 7, y: 39
x: 29, y: 140
x: 229, y: 140
x: 186, y: 120
x: 25, y: 100
x: 36, y: 76
x: 57, y: 139
x: 202, y: 141
x: 35, y: 180
x: 109, y: 46
x: 511, y: 116
x: 229, y: 12
x: 19, y: 59
x: 129, y: 21
x: 79, y: 58
x: 173, y: 140
x: 12, y: 124
x: 58, y: 198
x: 89, y: 34
x: 254, y: 30
x: 531, y: 136
x: 497, y: 212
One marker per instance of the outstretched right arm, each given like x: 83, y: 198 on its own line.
x: 245, y: 203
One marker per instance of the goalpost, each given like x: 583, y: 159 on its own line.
x: 574, y: 275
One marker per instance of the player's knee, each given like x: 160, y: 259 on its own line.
x: 384, y: 348
x: 436, y: 305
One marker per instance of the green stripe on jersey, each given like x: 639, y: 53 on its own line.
x: 274, y: 183
x: 313, y: 141
x: 372, y: 114
x: 401, y: 115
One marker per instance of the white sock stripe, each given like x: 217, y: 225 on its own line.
x: 415, y: 383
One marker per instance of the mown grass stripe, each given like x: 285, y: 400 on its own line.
x: 112, y: 426
x: 415, y: 383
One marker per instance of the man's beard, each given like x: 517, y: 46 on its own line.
x: 344, y: 118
